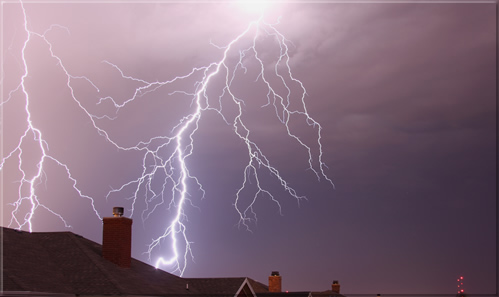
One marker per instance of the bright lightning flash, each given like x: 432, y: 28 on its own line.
x: 164, y: 156
x: 254, y: 7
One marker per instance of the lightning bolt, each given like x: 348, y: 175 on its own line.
x: 165, y: 177
x: 28, y: 183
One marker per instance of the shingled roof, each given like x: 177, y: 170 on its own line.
x: 66, y: 263
x: 63, y: 262
x: 285, y: 294
x: 229, y: 286
x: 257, y: 286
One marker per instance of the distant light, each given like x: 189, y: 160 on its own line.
x: 461, y: 277
x: 462, y: 290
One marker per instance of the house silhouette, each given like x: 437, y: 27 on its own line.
x: 66, y: 264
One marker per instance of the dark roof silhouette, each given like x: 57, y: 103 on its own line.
x: 228, y: 286
x: 63, y: 262
x: 257, y: 286
x: 328, y: 293
x: 285, y: 294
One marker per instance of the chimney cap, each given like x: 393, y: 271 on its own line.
x: 335, y: 282
x: 118, y: 211
x: 275, y: 273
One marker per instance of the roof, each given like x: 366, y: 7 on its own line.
x: 228, y: 286
x: 257, y: 286
x: 63, y: 262
x: 216, y: 285
x: 66, y: 264
x: 33, y: 294
x: 285, y: 294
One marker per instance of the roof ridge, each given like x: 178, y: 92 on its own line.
x: 98, y: 264
x: 34, y: 232
x: 247, y: 282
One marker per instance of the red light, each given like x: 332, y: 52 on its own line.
x: 462, y: 290
x: 461, y: 277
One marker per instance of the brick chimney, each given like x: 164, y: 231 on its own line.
x: 117, y: 238
x: 275, y: 282
x: 335, y: 287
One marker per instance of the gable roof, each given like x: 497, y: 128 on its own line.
x: 328, y: 293
x: 285, y: 294
x: 228, y: 286
x: 257, y: 286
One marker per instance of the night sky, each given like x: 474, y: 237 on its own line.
x: 405, y: 93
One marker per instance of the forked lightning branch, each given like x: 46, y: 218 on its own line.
x: 168, y: 153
